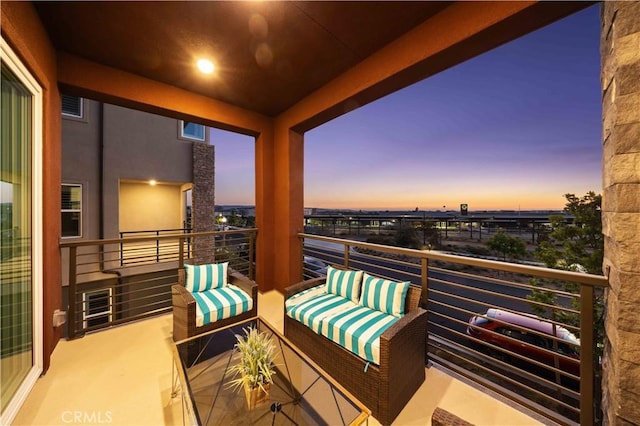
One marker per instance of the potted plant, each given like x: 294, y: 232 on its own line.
x: 255, y: 370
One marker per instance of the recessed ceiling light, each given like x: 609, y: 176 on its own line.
x: 205, y: 66
x: 152, y: 182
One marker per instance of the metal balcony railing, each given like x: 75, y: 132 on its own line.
x: 102, y: 293
x: 135, y: 253
x: 109, y: 285
x: 555, y: 377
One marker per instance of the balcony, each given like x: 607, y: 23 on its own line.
x: 280, y: 115
x: 110, y: 376
x: 93, y: 372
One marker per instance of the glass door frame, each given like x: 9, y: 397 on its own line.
x: 22, y: 73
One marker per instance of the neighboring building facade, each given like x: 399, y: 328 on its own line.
x: 125, y: 172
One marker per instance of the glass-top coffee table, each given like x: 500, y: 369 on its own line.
x: 301, y: 394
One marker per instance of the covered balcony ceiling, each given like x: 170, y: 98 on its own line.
x: 268, y: 55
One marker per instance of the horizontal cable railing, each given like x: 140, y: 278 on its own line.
x: 509, y: 327
x: 103, y: 290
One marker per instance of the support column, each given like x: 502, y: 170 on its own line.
x: 203, y: 201
x: 264, y: 210
x: 620, y: 78
x: 279, y: 207
x: 288, y: 206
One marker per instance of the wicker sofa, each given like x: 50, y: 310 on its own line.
x: 384, y: 388
x: 184, y: 306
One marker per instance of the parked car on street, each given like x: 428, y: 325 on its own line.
x: 529, y: 336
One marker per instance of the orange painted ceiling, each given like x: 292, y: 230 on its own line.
x: 268, y: 55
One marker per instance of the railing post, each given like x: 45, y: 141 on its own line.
x: 424, y: 280
x: 251, y: 243
x: 71, y: 325
x: 587, y: 367
x: 181, y: 252
x: 188, y: 244
x: 424, y: 296
x: 121, y: 250
x: 346, y: 255
x: 157, y: 246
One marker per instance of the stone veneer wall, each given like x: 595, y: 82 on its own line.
x: 203, y: 201
x: 620, y: 77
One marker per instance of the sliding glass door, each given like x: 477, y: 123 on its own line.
x: 20, y: 235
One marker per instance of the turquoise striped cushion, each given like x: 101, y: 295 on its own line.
x: 205, y: 277
x: 358, y: 330
x: 305, y: 295
x: 384, y: 295
x: 344, y: 283
x: 311, y: 311
x: 220, y: 303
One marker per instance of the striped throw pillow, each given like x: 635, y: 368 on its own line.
x: 205, y: 277
x: 344, y: 283
x: 384, y: 295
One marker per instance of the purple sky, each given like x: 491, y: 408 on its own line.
x: 517, y: 127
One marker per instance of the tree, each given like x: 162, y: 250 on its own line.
x: 430, y: 234
x: 407, y: 236
x: 506, y: 245
x: 578, y: 247
x: 579, y: 244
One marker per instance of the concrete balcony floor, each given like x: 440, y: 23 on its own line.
x: 122, y: 376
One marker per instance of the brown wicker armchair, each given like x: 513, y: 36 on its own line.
x: 442, y: 417
x: 184, y: 306
x: 386, y: 388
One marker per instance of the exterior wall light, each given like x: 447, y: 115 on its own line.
x: 152, y: 182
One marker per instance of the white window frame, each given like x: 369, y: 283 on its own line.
x: 68, y: 115
x: 181, y: 125
x: 85, y: 306
x: 31, y: 84
x: 74, y: 210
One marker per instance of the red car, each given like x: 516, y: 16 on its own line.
x: 529, y: 336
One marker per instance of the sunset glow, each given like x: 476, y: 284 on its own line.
x: 515, y: 128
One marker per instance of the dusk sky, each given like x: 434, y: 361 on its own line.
x: 515, y: 128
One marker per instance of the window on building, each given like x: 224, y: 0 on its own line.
x: 97, y: 307
x: 71, y: 211
x: 192, y: 131
x: 72, y: 106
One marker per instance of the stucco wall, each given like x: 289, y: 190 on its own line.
x: 144, y: 207
x: 140, y: 146
x: 81, y: 163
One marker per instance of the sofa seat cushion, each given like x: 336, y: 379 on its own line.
x: 305, y: 295
x: 358, y: 330
x: 220, y: 303
x: 312, y: 306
